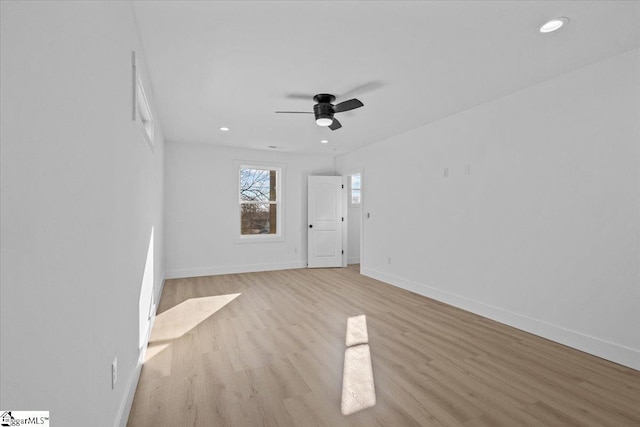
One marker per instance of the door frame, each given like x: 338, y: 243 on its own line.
x: 345, y: 213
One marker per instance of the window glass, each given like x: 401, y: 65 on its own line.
x: 354, y: 195
x: 259, y: 200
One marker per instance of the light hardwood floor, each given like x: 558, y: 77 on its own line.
x: 273, y: 356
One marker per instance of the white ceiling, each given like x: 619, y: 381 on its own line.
x: 233, y: 64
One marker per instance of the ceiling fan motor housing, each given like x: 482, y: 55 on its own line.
x: 323, y: 111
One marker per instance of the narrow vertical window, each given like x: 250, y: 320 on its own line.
x: 144, y: 113
x: 354, y: 190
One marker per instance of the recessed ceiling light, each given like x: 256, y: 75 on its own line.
x: 554, y: 24
x: 224, y: 129
x: 324, y: 141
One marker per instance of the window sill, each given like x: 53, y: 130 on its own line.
x: 258, y: 238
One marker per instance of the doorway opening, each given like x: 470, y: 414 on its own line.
x: 355, y: 224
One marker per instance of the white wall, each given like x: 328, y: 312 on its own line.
x: 81, y: 191
x: 543, y: 234
x: 202, y: 204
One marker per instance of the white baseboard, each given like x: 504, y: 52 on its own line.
x: 132, y: 383
x: 607, y: 350
x: 353, y: 260
x: 233, y: 269
x: 153, y: 317
x: 125, y: 405
x: 159, y: 295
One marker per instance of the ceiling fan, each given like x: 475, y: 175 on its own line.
x: 324, y: 110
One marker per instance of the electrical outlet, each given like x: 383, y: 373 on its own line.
x: 295, y: 250
x: 467, y: 169
x: 445, y: 172
x: 114, y: 373
x: 389, y: 260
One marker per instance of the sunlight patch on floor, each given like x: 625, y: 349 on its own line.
x: 358, y: 389
x: 356, y: 331
x: 153, y: 350
x: 177, y: 321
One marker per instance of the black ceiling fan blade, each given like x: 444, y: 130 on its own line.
x: 300, y: 96
x: 348, y: 105
x: 295, y: 112
x: 363, y: 88
x: 335, y: 124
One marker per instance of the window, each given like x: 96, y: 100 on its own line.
x: 144, y: 112
x: 354, y: 190
x: 260, y: 199
x: 140, y: 106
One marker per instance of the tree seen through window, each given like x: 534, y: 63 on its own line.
x: 258, y: 201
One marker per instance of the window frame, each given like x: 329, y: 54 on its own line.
x: 280, y: 169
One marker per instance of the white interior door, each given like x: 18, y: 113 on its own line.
x: 325, y: 221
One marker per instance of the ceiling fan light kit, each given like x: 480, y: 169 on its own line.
x: 324, y: 110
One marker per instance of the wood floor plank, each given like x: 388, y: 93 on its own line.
x: 273, y: 356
